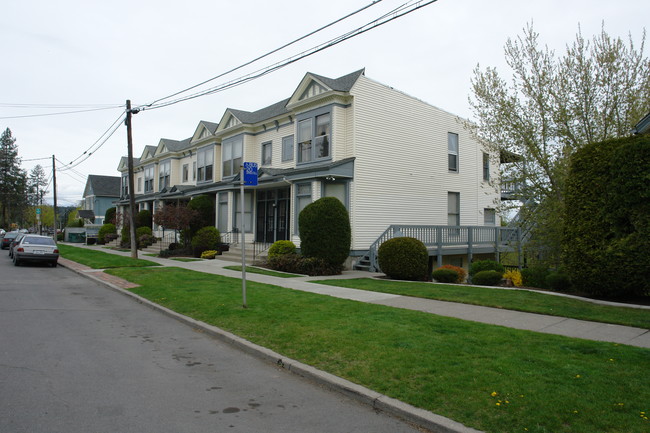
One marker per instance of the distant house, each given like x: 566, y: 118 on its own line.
x: 400, y: 165
x: 100, y: 194
x: 643, y: 127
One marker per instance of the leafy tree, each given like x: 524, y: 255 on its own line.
x: 12, y: 181
x: 205, y: 212
x: 174, y: 217
x: 37, y: 185
x: 553, y: 106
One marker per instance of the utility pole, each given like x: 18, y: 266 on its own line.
x: 54, y: 186
x: 134, y: 241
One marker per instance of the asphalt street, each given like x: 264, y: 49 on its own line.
x: 78, y: 357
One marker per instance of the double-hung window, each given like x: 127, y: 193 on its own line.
x: 125, y: 185
x: 204, y: 163
x: 186, y: 172
x: 267, y: 153
x: 287, y: 148
x: 164, y: 170
x: 148, y: 179
x: 489, y: 217
x: 314, y: 138
x: 453, y: 208
x: 232, y: 151
x: 452, y: 146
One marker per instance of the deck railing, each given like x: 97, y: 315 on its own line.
x: 437, y: 238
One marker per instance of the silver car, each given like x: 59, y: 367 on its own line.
x: 35, y: 248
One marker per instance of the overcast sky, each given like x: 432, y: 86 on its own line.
x: 90, y: 53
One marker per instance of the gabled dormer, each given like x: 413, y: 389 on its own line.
x: 204, y: 131
x: 314, y: 88
x: 230, y: 119
x: 148, y: 153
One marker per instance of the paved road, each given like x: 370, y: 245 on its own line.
x: 77, y: 357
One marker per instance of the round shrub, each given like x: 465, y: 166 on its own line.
x: 445, y: 275
x: 462, y: 274
x: 207, y: 238
x: 485, y: 265
x: 404, y: 258
x: 487, y: 278
x: 514, y: 276
x: 325, y: 230
x: 558, y: 281
x: 143, y: 231
x: 145, y: 240
x: 280, y: 248
x: 105, y: 230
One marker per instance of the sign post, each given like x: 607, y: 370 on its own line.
x: 248, y: 177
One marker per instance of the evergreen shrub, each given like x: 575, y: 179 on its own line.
x: 462, y: 273
x: 535, y: 276
x: 445, y: 275
x: 280, y: 248
x: 558, y: 281
x: 485, y: 265
x: 487, y: 278
x: 207, y: 238
x: 325, y: 231
x: 105, y: 230
x: 404, y: 258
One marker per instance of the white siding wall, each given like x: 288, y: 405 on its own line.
x: 401, y: 172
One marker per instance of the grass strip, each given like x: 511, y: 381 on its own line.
x: 492, y: 378
x: 99, y: 259
x: 263, y: 271
x: 519, y: 300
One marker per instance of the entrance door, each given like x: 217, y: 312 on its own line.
x: 272, y: 215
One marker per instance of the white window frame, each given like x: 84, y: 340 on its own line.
x: 452, y: 152
x: 489, y: 217
x: 287, y: 148
x: 312, y: 136
x: 205, y: 164
x: 267, y: 153
x: 232, y: 156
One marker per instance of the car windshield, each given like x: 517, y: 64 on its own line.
x: 33, y: 240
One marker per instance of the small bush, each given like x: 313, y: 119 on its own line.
x: 207, y: 238
x: 514, y: 276
x: 280, y: 248
x: 558, y: 281
x: 445, y: 275
x: 173, y: 246
x: 143, y: 219
x: 143, y: 231
x: 462, y: 274
x: 404, y: 258
x: 145, y: 240
x: 105, y: 230
x: 487, y: 278
x: 485, y: 265
x: 110, y: 237
x: 325, y: 230
x: 178, y: 252
x: 209, y: 254
x: 535, y: 276
x: 297, y: 264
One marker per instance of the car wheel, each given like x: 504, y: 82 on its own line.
x: 54, y: 264
x: 16, y: 261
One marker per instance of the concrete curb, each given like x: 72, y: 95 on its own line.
x: 379, y: 402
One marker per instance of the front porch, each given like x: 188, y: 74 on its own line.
x: 449, y: 241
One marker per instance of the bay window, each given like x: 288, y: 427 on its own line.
x: 314, y: 138
x: 232, y: 151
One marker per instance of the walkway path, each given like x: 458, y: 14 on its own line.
x: 513, y: 319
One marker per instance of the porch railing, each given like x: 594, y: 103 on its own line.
x: 436, y: 238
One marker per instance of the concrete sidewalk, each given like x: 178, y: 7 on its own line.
x: 495, y: 316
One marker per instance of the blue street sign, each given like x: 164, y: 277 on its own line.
x: 250, y: 173
x: 38, y: 211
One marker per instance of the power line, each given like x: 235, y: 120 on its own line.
x: 270, y: 52
x: 398, y: 12
x: 62, y: 112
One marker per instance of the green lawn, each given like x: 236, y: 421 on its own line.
x: 100, y: 259
x: 520, y: 300
x: 491, y: 378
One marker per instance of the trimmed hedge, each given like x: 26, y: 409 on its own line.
x: 404, y: 258
x: 487, y: 278
x: 485, y: 265
x: 325, y: 231
x: 445, y: 275
x: 608, y: 218
x: 280, y: 248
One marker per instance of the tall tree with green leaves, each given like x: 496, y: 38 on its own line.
x: 37, y: 185
x: 551, y: 106
x: 12, y: 182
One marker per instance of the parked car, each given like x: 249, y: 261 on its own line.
x: 13, y: 243
x: 7, y: 239
x: 35, y: 248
